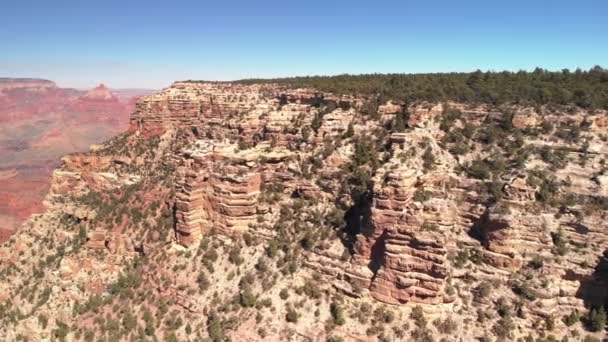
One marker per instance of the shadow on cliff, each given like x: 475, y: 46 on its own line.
x: 358, y: 222
x: 357, y: 219
x: 594, y: 288
x: 479, y: 229
x: 377, y: 256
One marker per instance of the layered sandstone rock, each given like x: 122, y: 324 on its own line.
x: 224, y: 201
x: 190, y: 104
x: 221, y: 187
x: 401, y: 254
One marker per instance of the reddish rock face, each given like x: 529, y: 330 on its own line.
x: 525, y: 119
x: 224, y: 200
x: 403, y: 246
x: 100, y: 93
x: 39, y: 123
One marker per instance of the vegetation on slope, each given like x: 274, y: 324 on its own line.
x: 586, y: 89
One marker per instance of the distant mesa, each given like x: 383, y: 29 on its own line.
x: 25, y: 83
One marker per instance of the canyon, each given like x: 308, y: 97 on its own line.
x: 261, y: 211
x: 39, y: 123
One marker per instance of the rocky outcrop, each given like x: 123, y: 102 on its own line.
x: 215, y: 197
x: 99, y: 93
x: 221, y: 186
x: 192, y: 104
x: 401, y: 255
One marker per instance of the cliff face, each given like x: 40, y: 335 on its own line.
x: 223, y: 195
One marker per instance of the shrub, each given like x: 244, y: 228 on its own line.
x: 428, y: 159
x: 422, y: 334
x: 549, y: 323
x: 484, y: 289
x: 422, y: 195
x: 399, y: 123
x: 548, y: 188
x: 446, y: 326
x: 235, y: 255
x: 384, y: 315
x: 284, y: 294
x: 571, y: 318
x: 149, y: 323
x: 502, y: 307
x: 202, y: 281
x: 417, y: 315
x: 129, y: 322
x: 243, y: 145
x: 337, y: 313
x: 524, y: 291
x: 215, y: 327
x: 350, y: 130
x: 43, y: 320
x: 503, y: 327
x: 248, y: 238
x: 171, y: 337
x: 272, y: 248
x: 247, y: 298
x: 559, y: 243
x: 62, y: 331
x: 448, y: 117
x: 292, y: 315
x: 537, y: 262
x: 596, y: 319
x: 479, y: 169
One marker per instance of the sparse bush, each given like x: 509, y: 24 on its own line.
x: 215, y: 327
x: 446, y: 326
x: 337, y: 312
x: 483, y: 289
x: 560, y: 246
x: 292, y: 315
x: 572, y: 318
x: 202, y: 281
x: 421, y: 195
x: 596, y: 319
x: 523, y: 290
x: 247, y: 298
x: 234, y: 255
x: 428, y: 159
x: 284, y: 294
x: 479, y: 169
x: 43, y: 320
x: 504, y: 327
x: 537, y: 262
x: 417, y: 315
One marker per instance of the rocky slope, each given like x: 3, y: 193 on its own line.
x: 260, y: 212
x: 39, y: 123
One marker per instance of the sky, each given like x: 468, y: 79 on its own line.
x: 150, y: 44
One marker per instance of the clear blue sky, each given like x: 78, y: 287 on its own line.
x: 132, y: 43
